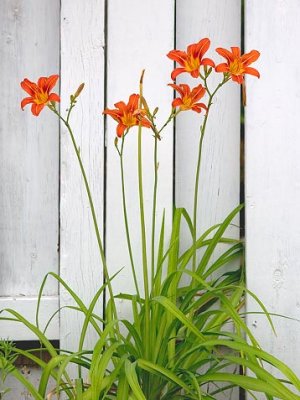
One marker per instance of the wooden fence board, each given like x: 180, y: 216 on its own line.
x: 29, y: 155
x: 137, y: 39
x: 272, y: 175
x: 220, y: 172
x: 82, y: 60
x: 220, y: 175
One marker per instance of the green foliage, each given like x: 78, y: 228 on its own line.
x: 186, y: 338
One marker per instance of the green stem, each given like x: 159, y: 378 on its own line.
x: 143, y: 235
x: 197, y: 179
x: 155, y: 166
x: 154, y: 211
x: 126, y: 219
x: 94, y: 217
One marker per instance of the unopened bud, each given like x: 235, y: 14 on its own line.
x: 79, y: 90
x: 208, y: 72
x: 155, y: 111
x: 116, y: 141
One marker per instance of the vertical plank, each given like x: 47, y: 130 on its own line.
x: 272, y: 175
x: 219, y: 180
x: 219, y: 188
x: 82, y: 60
x: 139, y: 37
x: 29, y: 154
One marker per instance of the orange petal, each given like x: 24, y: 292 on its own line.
x: 176, y: 72
x: 29, y: 87
x: 115, y: 114
x: 177, y: 102
x: 121, y: 129
x: 178, y: 56
x: 146, y: 123
x: 133, y: 102
x: 177, y: 88
x: 51, y: 82
x: 208, y: 61
x: 121, y: 106
x: 184, y: 89
x: 249, y: 58
x: 196, y: 108
x: 252, y: 71
x: 199, y: 49
x: 202, y: 105
x: 42, y: 82
x: 54, y: 97
x: 37, y: 108
x: 198, y: 92
x: 195, y: 73
x: 225, y: 53
x: 222, y: 68
x: 26, y: 101
x: 236, y: 52
x: 238, y: 78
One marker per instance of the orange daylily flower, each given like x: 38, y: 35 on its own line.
x: 237, y: 65
x: 39, y: 93
x: 128, y: 115
x: 188, y: 98
x: 192, y: 59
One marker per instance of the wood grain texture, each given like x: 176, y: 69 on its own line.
x: 273, y: 175
x: 219, y: 187
x: 82, y: 60
x: 219, y: 180
x: 29, y: 152
x: 139, y: 36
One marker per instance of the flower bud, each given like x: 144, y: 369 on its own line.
x: 155, y: 111
x: 79, y: 90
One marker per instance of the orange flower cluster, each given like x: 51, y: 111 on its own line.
x: 191, y: 61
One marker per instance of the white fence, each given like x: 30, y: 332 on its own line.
x: 106, y: 45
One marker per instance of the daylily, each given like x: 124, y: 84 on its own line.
x: 188, y: 98
x: 128, y: 115
x: 192, y: 59
x: 237, y: 65
x: 39, y: 93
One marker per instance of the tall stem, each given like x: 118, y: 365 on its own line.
x: 154, y: 211
x: 198, y: 168
x: 91, y: 203
x: 126, y: 218
x: 143, y: 234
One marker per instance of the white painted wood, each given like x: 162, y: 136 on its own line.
x: 219, y: 180
x: 29, y: 153
x: 82, y: 60
x: 272, y: 174
x: 26, y: 306
x: 140, y: 34
x: 220, y: 167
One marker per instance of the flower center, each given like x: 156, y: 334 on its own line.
x: 187, y: 103
x: 236, y: 67
x: 192, y: 64
x: 128, y: 119
x: 41, y: 98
